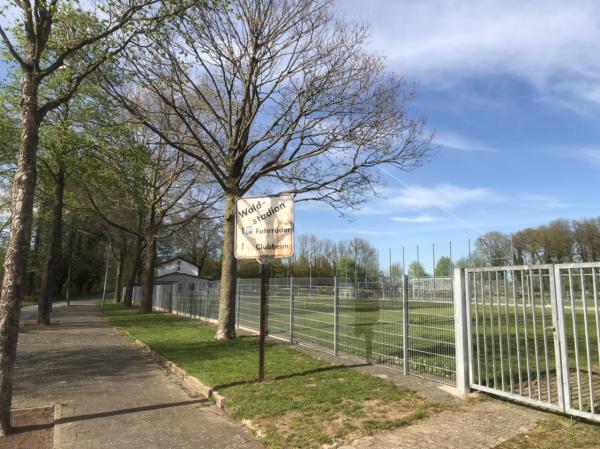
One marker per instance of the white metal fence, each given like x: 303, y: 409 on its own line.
x: 533, y: 334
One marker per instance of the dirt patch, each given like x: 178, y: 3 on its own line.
x: 352, y: 420
x: 388, y: 411
x: 33, y: 428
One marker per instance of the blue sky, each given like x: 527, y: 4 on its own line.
x: 512, y: 91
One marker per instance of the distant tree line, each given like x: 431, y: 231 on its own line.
x: 559, y: 241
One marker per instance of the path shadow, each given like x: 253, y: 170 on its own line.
x: 31, y: 428
x: 292, y: 375
x: 124, y: 411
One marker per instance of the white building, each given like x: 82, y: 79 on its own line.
x: 177, y: 270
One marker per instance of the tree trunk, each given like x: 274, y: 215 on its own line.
x: 135, y: 264
x: 226, y: 324
x: 53, y: 254
x: 32, y: 284
x: 18, y: 245
x: 148, y: 275
x: 119, y: 277
x: 201, y: 260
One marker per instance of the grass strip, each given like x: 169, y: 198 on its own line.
x: 557, y: 433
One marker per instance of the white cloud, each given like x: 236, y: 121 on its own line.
x: 540, y: 201
x: 445, y: 42
x: 444, y: 196
x: 367, y: 232
x: 455, y: 202
x: 449, y: 197
x: 456, y: 141
x: 590, y: 155
x: 417, y: 219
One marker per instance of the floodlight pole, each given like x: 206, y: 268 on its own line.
x: 263, y: 261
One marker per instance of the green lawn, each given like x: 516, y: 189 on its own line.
x: 304, y: 403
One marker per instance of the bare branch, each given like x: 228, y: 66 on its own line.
x: 107, y: 220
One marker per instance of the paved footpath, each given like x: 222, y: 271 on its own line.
x: 112, y: 394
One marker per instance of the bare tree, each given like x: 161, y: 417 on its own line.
x: 276, y: 96
x: 557, y: 241
x: 493, y: 247
x: 586, y: 234
x: 200, y: 242
x: 527, y: 246
x: 332, y: 254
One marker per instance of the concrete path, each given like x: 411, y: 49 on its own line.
x: 112, y: 394
x: 480, y: 425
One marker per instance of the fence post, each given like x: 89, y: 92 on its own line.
x: 206, y: 304
x: 195, y: 299
x: 405, y: 323
x: 461, y: 331
x: 237, y: 303
x: 336, y: 314
x: 292, y: 311
x: 174, y: 298
x: 560, y: 338
x: 154, y: 297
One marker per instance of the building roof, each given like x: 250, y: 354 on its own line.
x: 159, y: 279
x: 177, y: 258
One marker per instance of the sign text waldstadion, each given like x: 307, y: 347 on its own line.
x: 264, y: 227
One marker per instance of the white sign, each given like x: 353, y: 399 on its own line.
x: 264, y: 227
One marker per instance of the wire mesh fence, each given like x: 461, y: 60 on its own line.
x: 199, y: 300
x: 431, y: 344
x: 405, y: 324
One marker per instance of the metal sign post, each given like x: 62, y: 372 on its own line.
x: 264, y: 229
x: 263, y: 261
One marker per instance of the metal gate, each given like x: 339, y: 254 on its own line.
x: 534, y: 335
